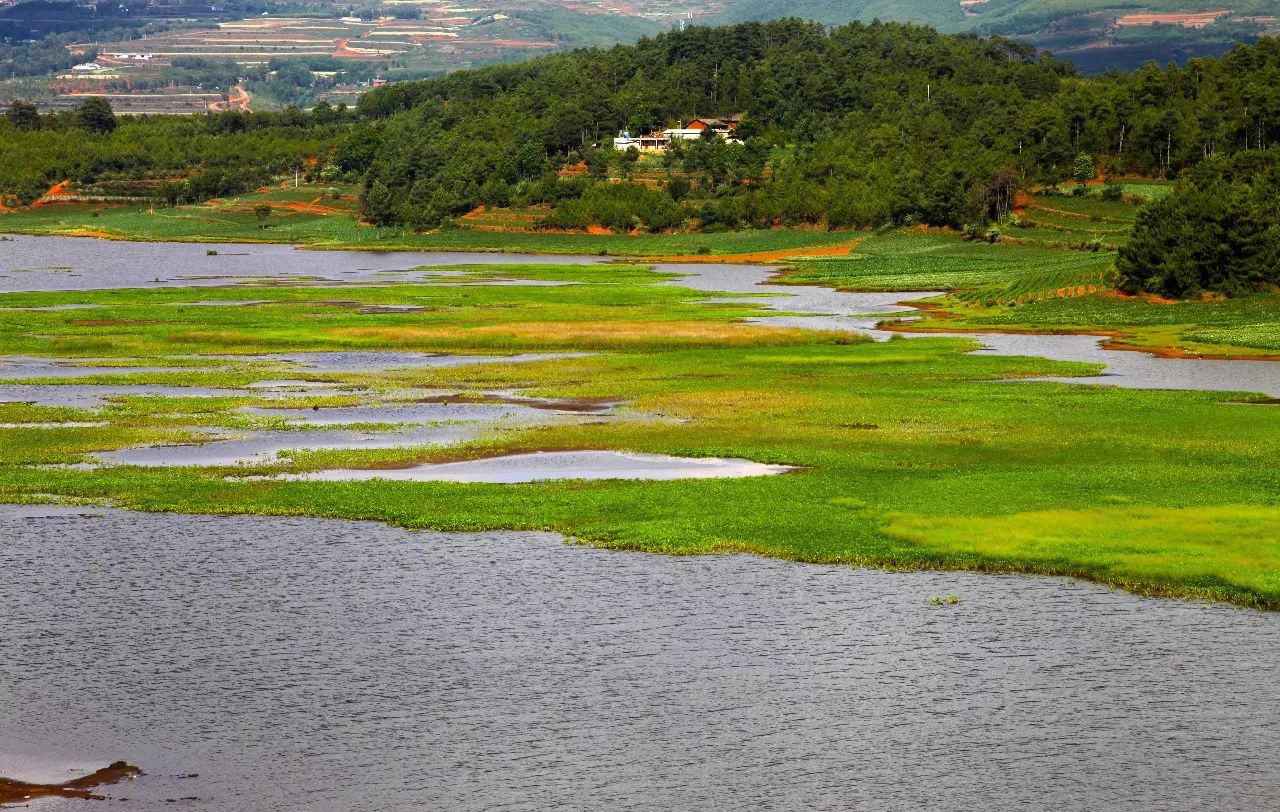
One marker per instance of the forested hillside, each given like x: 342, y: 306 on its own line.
x: 941, y: 14
x: 862, y: 126
x: 866, y: 125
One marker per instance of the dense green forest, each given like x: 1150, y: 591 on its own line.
x: 1219, y: 233
x: 177, y: 158
x: 866, y: 125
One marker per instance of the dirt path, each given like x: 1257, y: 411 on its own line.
x: 237, y: 99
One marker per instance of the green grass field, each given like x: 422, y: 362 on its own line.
x: 234, y: 221
x: 911, y: 260
x: 907, y: 455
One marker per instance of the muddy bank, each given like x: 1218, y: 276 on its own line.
x: 13, y: 791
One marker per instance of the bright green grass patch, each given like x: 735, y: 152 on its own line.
x: 27, y: 413
x: 1242, y: 326
x: 908, y: 261
x: 1259, y: 335
x: 1085, y: 209
x: 1219, y: 552
x: 1148, y: 189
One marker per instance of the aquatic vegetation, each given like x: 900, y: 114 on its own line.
x: 907, y: 456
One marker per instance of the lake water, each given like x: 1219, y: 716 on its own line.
x: 304, y: 664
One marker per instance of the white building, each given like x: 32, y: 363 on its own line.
x: 723, y: 128
x: 645, y: 143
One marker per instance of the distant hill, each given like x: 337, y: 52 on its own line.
x: 945, y: 15
x: 1095, y: 34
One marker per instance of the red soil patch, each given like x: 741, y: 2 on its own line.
x: 1020, y: 202
x: 1150, y: 298
x: 62, y: 187
x: 1188, y: 20
x: 304, y: 207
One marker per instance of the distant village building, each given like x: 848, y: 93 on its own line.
x: 657, y: 142
x: 86, y: 67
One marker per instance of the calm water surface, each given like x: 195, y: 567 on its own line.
x: 78, y: 263
x: 326, y: 665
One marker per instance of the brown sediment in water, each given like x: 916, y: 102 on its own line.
x: 14, y: 791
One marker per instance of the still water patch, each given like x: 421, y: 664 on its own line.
x: 550, y: 465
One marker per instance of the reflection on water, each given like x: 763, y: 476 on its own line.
x: 16, y: 368
x: 1139, y: 370
x: 301, y: 664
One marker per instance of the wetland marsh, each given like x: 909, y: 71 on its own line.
x: 861, y: 450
